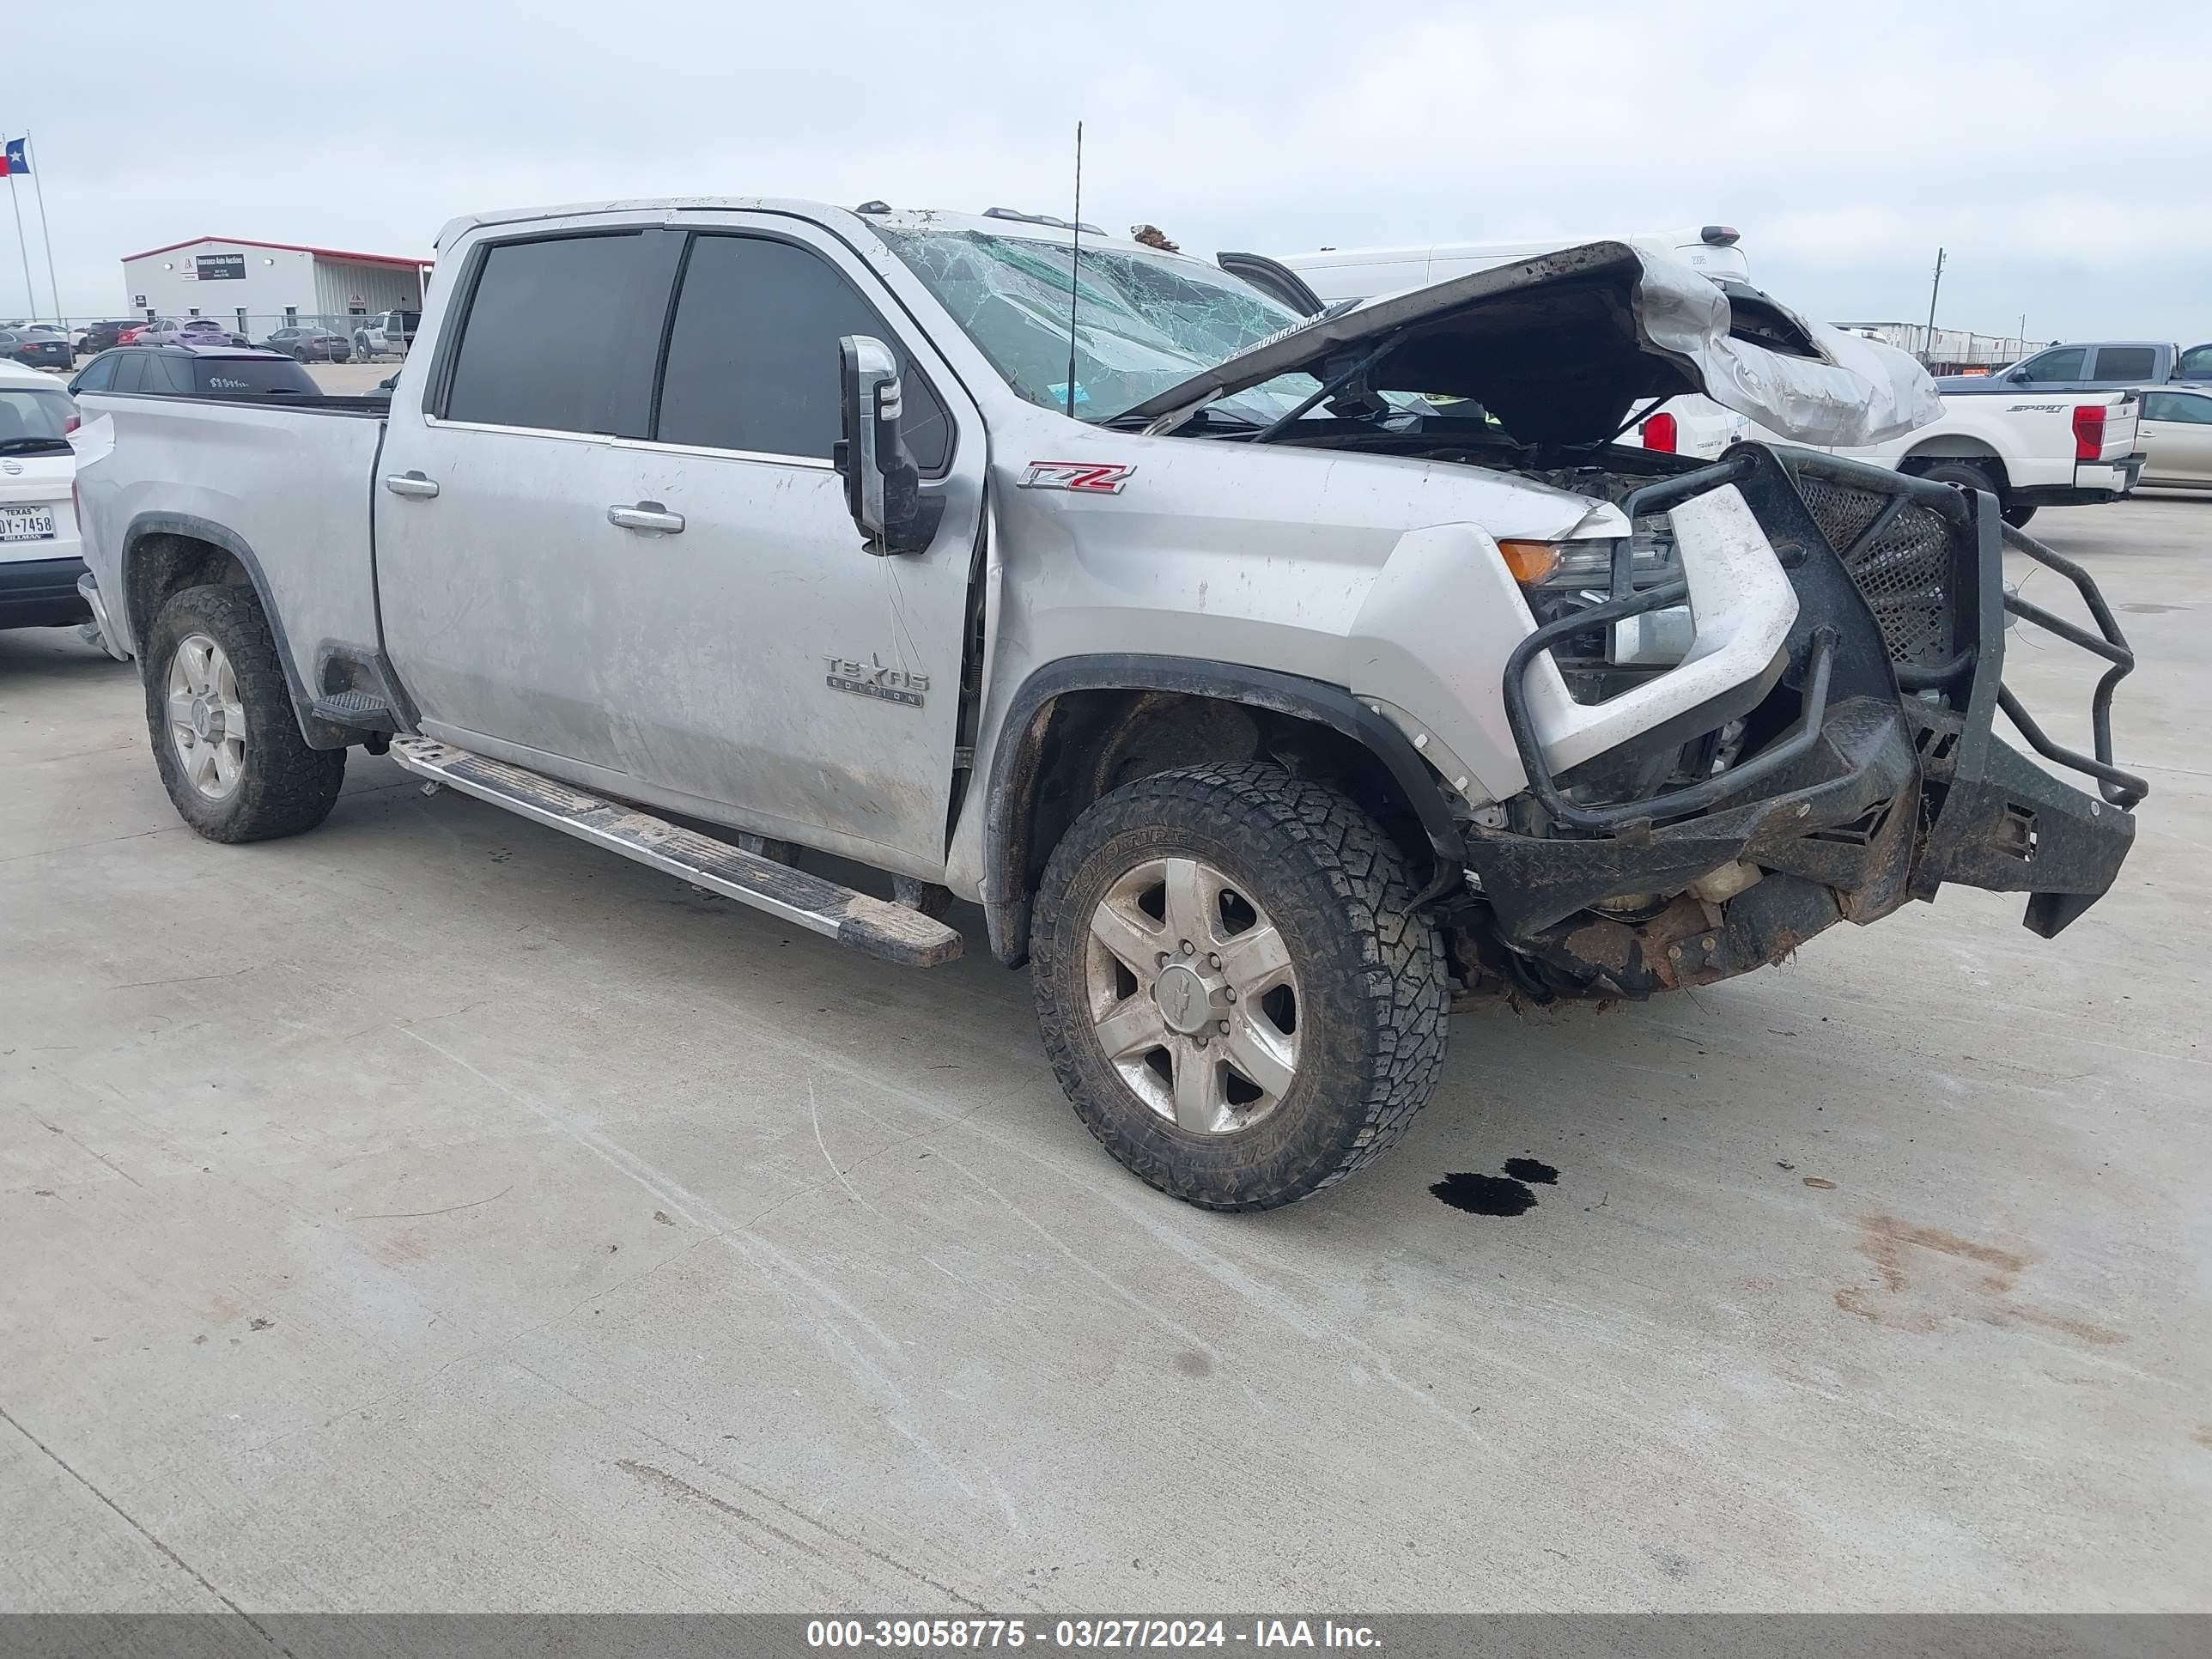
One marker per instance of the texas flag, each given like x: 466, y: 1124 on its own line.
x: 13, y: 161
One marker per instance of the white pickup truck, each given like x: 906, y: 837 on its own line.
x: 387, y: 334
x: 2029, y: 450
x: 1269, y: 682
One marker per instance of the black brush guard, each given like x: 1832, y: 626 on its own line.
x: 1875, y: 775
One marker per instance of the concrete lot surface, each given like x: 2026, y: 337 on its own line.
x: 433, y: 1212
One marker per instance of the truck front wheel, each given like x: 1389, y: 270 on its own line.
x: 1233, y: 985
x: 220, y: 715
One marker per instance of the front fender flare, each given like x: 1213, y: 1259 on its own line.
x: 1010, y: 797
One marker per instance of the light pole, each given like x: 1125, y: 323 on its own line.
x: 1935, y: 289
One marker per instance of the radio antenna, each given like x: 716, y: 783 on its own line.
x: 1074, y: 270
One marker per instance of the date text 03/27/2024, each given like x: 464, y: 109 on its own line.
x: 1134, y: 1633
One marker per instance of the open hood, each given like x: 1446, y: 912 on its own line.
x: 1562, y: 347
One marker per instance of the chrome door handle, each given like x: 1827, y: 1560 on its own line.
x: 646, y: 515
x: 410, y: 483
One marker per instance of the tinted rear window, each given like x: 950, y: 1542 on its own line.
x: 239, y: 377
x: 2126, y: 362
x: 542, y: 344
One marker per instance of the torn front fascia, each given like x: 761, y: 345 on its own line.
x: 1689, y: 942
x: 1894, y: 796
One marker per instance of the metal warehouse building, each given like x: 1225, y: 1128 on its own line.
x: 255, y: 287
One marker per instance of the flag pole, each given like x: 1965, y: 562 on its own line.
x: 39, y: 185
x: 22, y: 247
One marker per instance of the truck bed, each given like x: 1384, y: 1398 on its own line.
x: 281, y: 483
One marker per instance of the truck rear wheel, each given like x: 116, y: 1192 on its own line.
x: 1233, y: 986
x: 1966, y: 476
x: 220, y: 715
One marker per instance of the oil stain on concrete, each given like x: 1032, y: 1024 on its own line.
x: 1511, y: 1194
x: 1950, y: 1278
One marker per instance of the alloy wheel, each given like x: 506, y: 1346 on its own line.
x: 206, y: 720
x: 1192, y: 995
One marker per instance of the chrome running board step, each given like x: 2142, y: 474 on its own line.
x: 875, y: 927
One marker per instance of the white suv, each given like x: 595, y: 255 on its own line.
x: 40, y: 554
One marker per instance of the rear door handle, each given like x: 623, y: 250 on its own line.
x: 410, y: 483
x: 646, y: 515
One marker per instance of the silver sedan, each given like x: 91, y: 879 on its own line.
x: 2176, y: 436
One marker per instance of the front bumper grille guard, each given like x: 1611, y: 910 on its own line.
x: 2124, y: 789
x: 1792, y: 746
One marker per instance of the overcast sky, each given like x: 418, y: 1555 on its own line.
x: 1846, y: 141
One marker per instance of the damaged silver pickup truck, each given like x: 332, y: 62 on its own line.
x: 1268, y: 681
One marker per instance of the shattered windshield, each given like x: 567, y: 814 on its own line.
x: 1144, y: 322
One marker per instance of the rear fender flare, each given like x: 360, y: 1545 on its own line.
x: 318, y: 734
x: 1956, y: 446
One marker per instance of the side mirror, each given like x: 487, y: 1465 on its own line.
x: 882, y: 486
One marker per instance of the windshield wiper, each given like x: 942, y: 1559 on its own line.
x: 34, y: 445
x: 1329, y: 388
x: 1207, y: 413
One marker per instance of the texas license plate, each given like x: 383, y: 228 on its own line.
x: 35, y: 525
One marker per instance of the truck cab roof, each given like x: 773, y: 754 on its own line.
x: 851, y: 221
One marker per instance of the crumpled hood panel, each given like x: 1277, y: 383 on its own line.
x: 1562, y: 347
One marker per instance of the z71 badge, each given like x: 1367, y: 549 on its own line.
x: 872, y: 679
x: 1085, y: 477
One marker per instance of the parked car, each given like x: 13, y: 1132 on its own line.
x: 1278, y: 711
x: 40, y: 554
x: 188, y: 331
x: 2097, y: 366
x: 387, y: 334
x: 37, y: 349
x: 104, y: 337
x: 196, y: 371
x: 2176, y: 436
x: 309, y: 345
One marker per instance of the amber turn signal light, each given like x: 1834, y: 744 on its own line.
x: 1529, y: 561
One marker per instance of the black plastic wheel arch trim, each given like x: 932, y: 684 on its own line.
x: 317, y: 732
x: 1006, y: 825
